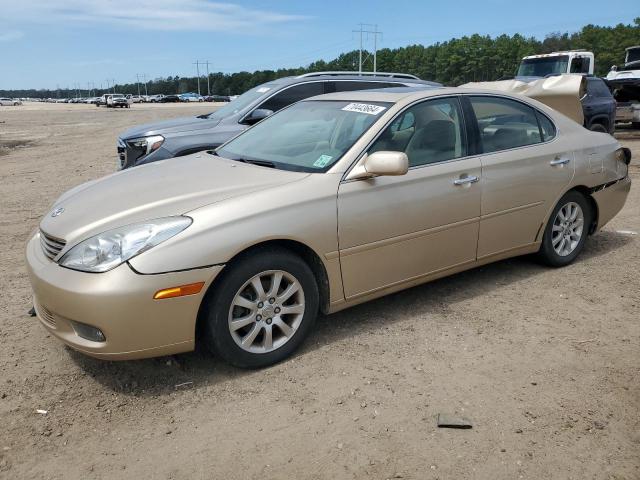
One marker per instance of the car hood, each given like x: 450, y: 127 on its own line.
x: 159, y: 189
x: 174, y: 125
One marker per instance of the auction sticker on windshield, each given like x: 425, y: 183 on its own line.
x: 322, y: 161
x: 364, y: 108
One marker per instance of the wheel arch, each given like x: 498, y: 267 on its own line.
x: 586, y: 192
x: 306, y: 253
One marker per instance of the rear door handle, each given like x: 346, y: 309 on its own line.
x: 559, y: 161
x: 465, y: 180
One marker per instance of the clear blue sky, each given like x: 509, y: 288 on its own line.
x: 46, y: 43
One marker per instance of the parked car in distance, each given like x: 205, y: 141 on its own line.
x: 174, y: 98
x: 136, y: 98
x: 5, y: 101
x: 191, y: 97
x: 155, y: 98
x: 181, y: 136
x: 216, y: 98
x: 599, y: 106
x: 332, y: 201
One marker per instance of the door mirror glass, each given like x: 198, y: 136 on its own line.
x: 257, y: 115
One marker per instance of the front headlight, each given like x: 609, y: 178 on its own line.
x: 109, y: 249
x: 147, y: 144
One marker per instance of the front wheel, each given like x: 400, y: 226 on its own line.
x: 262, y: 309
x: 566, y: 231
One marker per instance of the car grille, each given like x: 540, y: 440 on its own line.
x: 51, y: 246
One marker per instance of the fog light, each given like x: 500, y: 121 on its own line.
x: 88, y: 332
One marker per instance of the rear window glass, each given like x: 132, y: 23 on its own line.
x: 546, y: 127
x: 505, y: 123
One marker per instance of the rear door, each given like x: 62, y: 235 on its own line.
x: 524, y: 171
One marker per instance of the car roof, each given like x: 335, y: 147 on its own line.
x: 392, y: 95
x: 410, y: 94
x: 355, y: 77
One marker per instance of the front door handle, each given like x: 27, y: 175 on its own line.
x: 559, y: 161
x: 465, y: 180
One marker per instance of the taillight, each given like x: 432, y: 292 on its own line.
x: 623, y: 159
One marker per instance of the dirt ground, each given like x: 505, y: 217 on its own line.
x: 544, y: 362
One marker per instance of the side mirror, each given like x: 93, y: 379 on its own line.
x: 381, y: 164
x: 257, y: 115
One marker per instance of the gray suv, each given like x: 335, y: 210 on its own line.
x: 182, y: 136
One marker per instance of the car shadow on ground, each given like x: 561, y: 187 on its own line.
x: 199, y: 369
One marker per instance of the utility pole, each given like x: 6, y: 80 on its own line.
x: 197, y: 64
x: 138, y: 83
x: 208, y: 86
x: 375, y: 34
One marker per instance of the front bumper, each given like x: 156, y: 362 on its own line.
x: 120, y: 303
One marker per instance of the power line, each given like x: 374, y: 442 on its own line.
x: 197, y: 64
x: 375, y: 32
x: 208, y: 86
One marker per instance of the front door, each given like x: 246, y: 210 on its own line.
x: 396, y: 229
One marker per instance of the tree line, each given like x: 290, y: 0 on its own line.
x: 453, y: 62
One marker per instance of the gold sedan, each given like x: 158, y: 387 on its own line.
x: 331, y: 202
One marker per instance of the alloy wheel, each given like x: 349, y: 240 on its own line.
x: 567, y: 230
x: 266, y: 311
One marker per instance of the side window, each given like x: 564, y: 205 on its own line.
x: 546, y: 127
x: 505, y: 123
x: 350, y: 85
x: 580, y: 65
x: 598, y: 88
x: 429, y: 132
x: 293, y: 94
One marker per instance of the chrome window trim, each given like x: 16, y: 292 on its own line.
x: 327, y: 80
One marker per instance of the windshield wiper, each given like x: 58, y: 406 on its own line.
x: 261, y: 163
x: 204, y: 115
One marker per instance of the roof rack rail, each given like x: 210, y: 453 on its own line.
x: 376, y: 74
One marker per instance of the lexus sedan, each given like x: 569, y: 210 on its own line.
x: 332, y: 201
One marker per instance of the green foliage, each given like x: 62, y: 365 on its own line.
x: 457, y: 61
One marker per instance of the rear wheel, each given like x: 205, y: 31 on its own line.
x: 566, y: 231
x: 262, y: 309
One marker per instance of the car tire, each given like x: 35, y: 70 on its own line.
x: 566, y: 231
x: 246, y: 344
x: 598, y: 127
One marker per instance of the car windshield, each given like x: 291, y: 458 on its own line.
x: 309, y: 136
x: 541, y: 67
x: 243, y: 101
